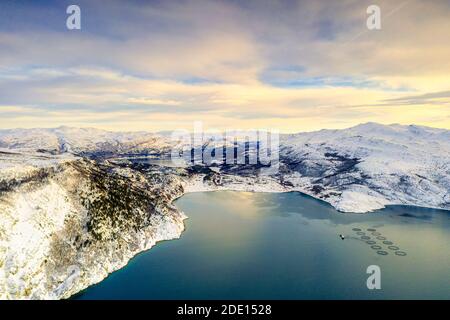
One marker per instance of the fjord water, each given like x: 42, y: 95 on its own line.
x: 240, y: 245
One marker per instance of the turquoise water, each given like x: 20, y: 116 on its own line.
x: 240, y: 245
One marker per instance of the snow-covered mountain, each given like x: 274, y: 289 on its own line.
x: 360, y: 169
x: 82, y: 140
x: 369, y: 166
x: 67, y: 222
x: 74, y: 206
x: 356, y: 170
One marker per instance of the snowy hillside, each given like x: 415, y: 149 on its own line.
x: 67, y: 223
x: 372, y: 165
x: 360, y: 169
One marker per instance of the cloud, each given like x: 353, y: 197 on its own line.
x: 297, y: 65
x: 442, y: 97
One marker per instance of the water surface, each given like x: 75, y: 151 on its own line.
x: 240, y: 245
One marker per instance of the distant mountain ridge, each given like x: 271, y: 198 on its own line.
x: 62, y: 139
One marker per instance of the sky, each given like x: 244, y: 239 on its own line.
x: 239, y: 64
